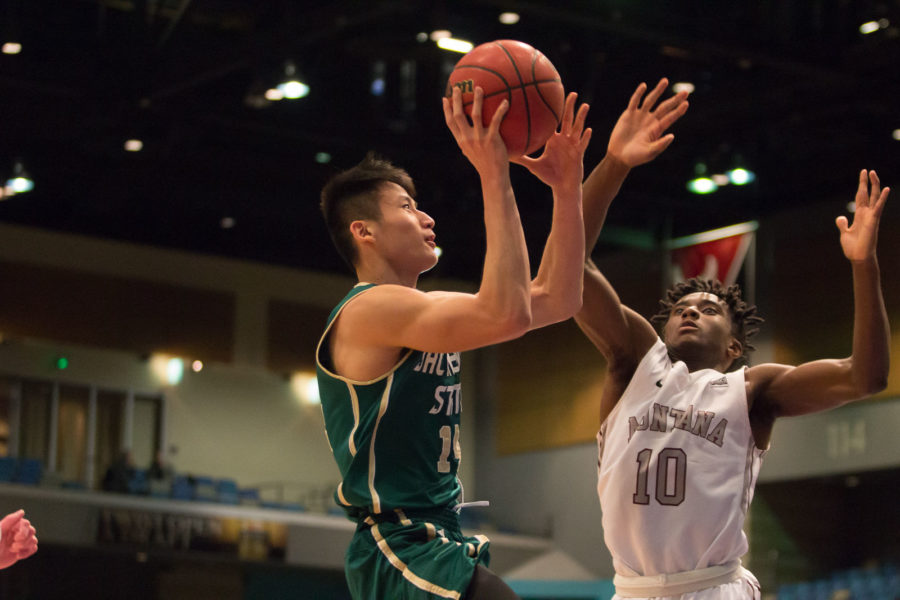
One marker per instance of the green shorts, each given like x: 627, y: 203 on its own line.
x: 399, y: 556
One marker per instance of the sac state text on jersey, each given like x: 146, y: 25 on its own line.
x: 662, y: 418
x: 433, y: 363
x: 447, y: 398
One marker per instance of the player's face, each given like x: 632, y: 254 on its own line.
x: 405, y: 233
x: 699, y: 322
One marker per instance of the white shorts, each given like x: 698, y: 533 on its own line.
x: 745, y: 587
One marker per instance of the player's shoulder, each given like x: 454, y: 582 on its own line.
x: 382, y: 303
x: 759, y: 378
x: 765, y: 372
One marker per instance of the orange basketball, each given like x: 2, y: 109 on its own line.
x: 515, y: 71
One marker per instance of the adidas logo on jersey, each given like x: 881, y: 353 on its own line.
x: 720, y: 381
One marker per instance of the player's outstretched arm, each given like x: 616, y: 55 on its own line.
x: 556, y: 290
x: 17, y: 539
x: 638, y: 137
x: 396, y: 316
x: 824, y: 384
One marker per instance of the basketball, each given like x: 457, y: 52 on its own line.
x: 514, y: 71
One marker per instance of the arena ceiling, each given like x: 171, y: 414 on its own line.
x: 792, y: 90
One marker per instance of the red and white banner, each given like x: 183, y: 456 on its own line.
x: 717, y: 254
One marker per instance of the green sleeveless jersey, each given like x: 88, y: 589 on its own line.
x: 395, y: 438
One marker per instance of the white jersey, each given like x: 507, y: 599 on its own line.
x: 676, y: 470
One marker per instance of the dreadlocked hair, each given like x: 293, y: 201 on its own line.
x: 743, y: 316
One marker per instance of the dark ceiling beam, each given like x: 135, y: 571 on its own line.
x: 173, y: 23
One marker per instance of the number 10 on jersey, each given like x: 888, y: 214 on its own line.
x: 671, y: 473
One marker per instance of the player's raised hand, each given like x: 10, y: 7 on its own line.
x: 639, y: 135
x: 17, y: 538
x: 562, y: 161
x: 482, y: 145
x: 859, y: 239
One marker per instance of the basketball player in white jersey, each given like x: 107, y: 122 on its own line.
x: 683, y: 426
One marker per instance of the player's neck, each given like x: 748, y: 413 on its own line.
x: 699, y: 361
x: 382, y: 274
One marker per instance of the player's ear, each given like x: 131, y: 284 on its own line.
x: 735, y: 349
x: 361, y: 230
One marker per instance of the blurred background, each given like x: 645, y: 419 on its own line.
x: 165, y: 275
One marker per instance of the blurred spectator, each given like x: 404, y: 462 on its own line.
x: 160, y: 468
x: 119, y: 473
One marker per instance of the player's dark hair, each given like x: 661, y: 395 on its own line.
x: 353, y: 194
x: 745, y: 321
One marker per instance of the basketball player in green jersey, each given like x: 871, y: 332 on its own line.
x: 388, y: 363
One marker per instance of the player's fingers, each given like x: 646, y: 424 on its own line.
x: 636, y: 96
x: 477, y: 107
x: 453, y: 113
x: 448, y: 112
x: 568, y: 114
x: 880, y: 201
x: 585, y: 139
x: 875, y: 186
x: 862, y: 191
x: 523, y: 159
x: 670, y: 104
x: 654, y: 94
x: 657, y: 147
x: 581, y: 117
x: 673, y: 116
x: 841, y: 223
x: 497, y: 118
x: 11, y: 520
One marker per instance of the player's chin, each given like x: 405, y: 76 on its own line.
x: 430, y: 264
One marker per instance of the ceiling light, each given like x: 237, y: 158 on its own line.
x: 227, y: 222
x: 20, y: 182
x: 683, y: 86
x: 12, y: 48
x: 134, y: 145
x: 702, y: 185
x: 323, y: 158
x: 896, y: 135
x: 290, y: 87
x: 439, y: 34
x: 741, y: 176
x: 869, y: 27
x: 294, y: 89
x: 197, y: 366
x: 720, y: 179
x: 455, y: 45
x: 421, y: 37
x: 174, y: 370
x: 508, y: 18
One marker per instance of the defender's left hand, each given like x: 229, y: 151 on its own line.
x: 860, y: 239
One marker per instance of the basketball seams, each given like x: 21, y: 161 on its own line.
x: 524, y: 93
x: 540, y: 94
